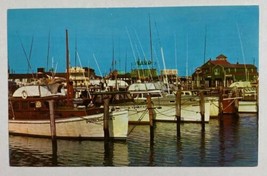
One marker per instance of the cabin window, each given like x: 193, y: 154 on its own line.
x: 46, y: 104
x: 155, y: 95
x: 32, y: 104
x: 136, y: 95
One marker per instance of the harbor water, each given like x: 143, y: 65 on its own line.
x: 231, y: 141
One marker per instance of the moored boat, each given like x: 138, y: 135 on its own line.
x: 163, y: 104
x: 29, y: 114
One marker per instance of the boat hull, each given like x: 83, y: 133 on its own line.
x: 247, y: 107
x: 189, y: 113
x: 138, y: 114
x: 86, y: 127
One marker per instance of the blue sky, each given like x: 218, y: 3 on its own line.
x: 94, y: 33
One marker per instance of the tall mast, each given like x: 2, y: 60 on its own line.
x: 48, y: 51
x: 205, y: 43
x: 151, y: 48
x: 67, y: 67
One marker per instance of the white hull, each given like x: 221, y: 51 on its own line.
x: 189, y: 113
x: 247, y: 106
x: 214, y: 106
x: 76, y: 127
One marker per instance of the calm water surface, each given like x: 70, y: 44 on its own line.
x: 230, y: 142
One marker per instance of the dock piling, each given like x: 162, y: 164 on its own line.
x: 202, y: 109
x: 106, y: 119
x: 178, y: 112
x: 53, y: 132
x: 151, y: 120
x: 52, y: 120
x: 220, y: 102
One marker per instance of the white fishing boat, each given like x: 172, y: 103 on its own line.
x: 248, y: 103
x: 164, y: 105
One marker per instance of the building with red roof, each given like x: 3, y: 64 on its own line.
x: 220, y: 72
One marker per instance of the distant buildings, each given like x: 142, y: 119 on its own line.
x: 77, y: 75
x: 220, y: 72
x: 213, y: 73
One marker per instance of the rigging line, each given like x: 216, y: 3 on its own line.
x: 75, y: 57
x: 163, y: 60
x: 30, y: 54
x: 48, y: 51
x: 158, y: 34
x: 187, y: 61
x: 139, y: 57
x: 132, y: 50
x: 86, y: 83
x: 175, y: 51
x: 151, y: 43
x: 157, y: 60
x: 97, y: 65
x: 139, y: 42
x: 24, y: 51
x: 242, y: 50
x: 205, y: 44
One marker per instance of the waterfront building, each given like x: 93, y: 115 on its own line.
x: 220, y: 72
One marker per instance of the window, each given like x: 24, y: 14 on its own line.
x: 32, y: 104
x: 216, y: 71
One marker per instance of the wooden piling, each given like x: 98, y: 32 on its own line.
x: 178, y: 112
x: 106, y: 119
x: 236, y: 101
x: 53, y: 132
x: 52, y: 119
x: 151, y: 120
x: 202, y: 109
x: 220, y: 102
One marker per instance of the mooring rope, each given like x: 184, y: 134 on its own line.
x: 140, y: 118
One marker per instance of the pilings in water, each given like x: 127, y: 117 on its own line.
x: 52, y: 119
x: 202, y: 109
x: 220, y: 102
x: 53, y: 131
x: 106, y: 119
x: 151, y: 118
x: 178, y: 112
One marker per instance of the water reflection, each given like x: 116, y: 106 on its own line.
x: 231, y: 141
x: 27, y: 151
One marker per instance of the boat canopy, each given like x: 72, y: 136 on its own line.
x: 110, y: 83
x: 240, y: 84
x: 145, y: 86
x: 36, y: 91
